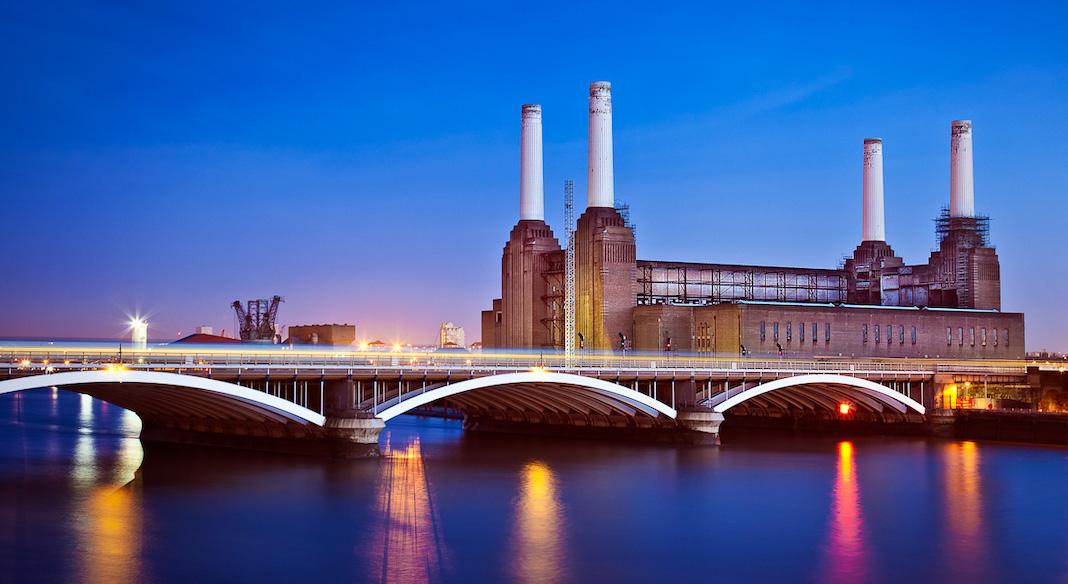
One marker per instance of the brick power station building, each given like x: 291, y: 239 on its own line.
x: 875, y: 305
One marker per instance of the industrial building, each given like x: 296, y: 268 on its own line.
x: 322, y: 334
x: 873, y: 305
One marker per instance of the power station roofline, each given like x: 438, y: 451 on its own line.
x: 665, y: 263
x: 780, y: 303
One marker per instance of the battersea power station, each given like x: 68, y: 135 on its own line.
x: 875, y: 305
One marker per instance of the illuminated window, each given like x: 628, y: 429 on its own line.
x: 762, y: 330
x: 876, y: 333
x: 960, y: 336
x: 775, y: 331
x: 864, y: 332
x: 949, y: 335
x: 827, y: 333
x: 995, y: 337
x: 972, y: 335
x: 913, y: 335
x: 800, y: 331
x: 984, y: 336
x: 788, y: 331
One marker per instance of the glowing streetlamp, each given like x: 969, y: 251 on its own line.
x: 139, y: 326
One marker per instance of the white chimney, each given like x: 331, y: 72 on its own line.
x: 531, y: 189
x: 961, y: 189
x: 601, y: 189
x: 874, y: 219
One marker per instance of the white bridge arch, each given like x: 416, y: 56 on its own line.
x: 820, y: 390
x: 535, y: 390
x: 159, y: 393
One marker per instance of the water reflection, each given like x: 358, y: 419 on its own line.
x: 539, y: 544
x: 406, y: 544
x: 846, y: 553
x: 965, y: 540
x: 110, y: 534
x: 107, y: 518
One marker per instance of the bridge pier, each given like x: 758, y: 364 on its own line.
x: 354, y: 434
x: 703, y: 422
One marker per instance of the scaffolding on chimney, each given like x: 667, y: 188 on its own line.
x: 569, y: 273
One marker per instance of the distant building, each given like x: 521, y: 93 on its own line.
x: 451, y: 335
x: 322, y: 334
x: 206, y: 338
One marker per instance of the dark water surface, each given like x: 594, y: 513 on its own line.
x: 80, y: 500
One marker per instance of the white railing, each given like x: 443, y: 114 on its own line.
x: 588, y: 364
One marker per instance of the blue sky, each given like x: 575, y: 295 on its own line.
x: 362, y: 160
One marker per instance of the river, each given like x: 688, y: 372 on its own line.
x: 81, y: 500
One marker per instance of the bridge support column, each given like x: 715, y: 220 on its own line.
x: 354, y: 433
x: 703, y: 421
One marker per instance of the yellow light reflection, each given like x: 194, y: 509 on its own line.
x: 966, y: 545
x: 406, y: 545
x: 539, y: 544
x: 111, y: 535
x: 108, y: 516
x: 846, y: 553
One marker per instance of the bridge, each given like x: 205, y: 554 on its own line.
x: 319, y: 400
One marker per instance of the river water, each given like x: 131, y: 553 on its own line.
x: 82, y: 501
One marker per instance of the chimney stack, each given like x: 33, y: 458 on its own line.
x: 874, y: 220
x: 601, y: 189
x: 961, y: 189
x: 531, y: 189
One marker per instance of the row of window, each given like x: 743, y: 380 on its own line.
x: 800, y: 331
x: 889, y: 334
x: 971, y: 336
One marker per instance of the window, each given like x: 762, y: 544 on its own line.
x: 960, y: 335
x: 876, y: 333
x: 913, y: 335
x: 762, y: 330
x: 801, y: 331
x: 984, y: 336
x: 949, y: 336
x: 864, y: 332
x: 995, y: 337
x: 775, y: 331
x: 1006, y: 337
x: 901, y: 334
x: 827, y: 333
x: 889, y: 334
x: 815, y: 332
x: 788, y: 331
x: 972, y: 335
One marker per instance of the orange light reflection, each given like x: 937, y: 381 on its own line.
x: 966, y: 542
x: 406, y: 545
x: 539, y: 544
x: 846, y: 554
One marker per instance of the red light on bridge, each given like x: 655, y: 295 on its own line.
x: 843, y: 408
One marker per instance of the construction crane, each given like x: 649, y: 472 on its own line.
x: 257, y: 322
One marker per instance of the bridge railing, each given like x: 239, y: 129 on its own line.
x: 171, y: 359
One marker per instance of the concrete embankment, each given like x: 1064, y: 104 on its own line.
x: 1002, y: 425
x: 1011, y: 426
